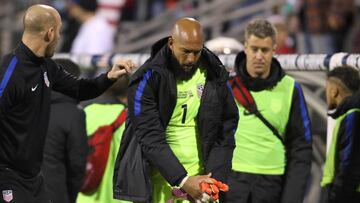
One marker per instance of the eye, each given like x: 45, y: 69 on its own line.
x: 265, y: 50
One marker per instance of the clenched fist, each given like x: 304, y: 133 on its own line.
x: 121, y: 68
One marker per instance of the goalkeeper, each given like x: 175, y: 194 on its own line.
x: 183, y: 117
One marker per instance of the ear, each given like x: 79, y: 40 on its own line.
x: 245, y: 47
x: 274, y: 47
x: 171, y: 43
x: 50, y: 34
x: 334, y: 91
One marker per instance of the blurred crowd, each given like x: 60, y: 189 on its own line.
x: 304, y: 26
x: 93, y: 27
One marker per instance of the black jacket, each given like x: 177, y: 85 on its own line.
x: 347, y: 155
x: 298, y: 141
x: 65, y: 149
x: 152, y: 98
x: 25, y: 105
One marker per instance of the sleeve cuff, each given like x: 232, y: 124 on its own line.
x: 183, y: 181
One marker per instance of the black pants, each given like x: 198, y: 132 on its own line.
x: 253, y: 188
x: 16, y: 189
x: 340, y: 197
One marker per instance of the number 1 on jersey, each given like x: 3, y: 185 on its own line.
x: 184, y: 107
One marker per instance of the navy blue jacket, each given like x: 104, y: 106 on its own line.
x: 25, y: 90
x: 152, y: 97
x: 347, y: 155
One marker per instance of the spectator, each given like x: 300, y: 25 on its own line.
x: 77, y: 12
x: 340, y: 19
x: 98, y: 29
x: 314, y: 27
x: 283, y: 41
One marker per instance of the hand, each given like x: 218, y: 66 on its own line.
x: 204, y: 199
x: 192, y: 185
x: 120, y: 68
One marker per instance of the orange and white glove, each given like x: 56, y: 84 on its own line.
x: 213, y: 189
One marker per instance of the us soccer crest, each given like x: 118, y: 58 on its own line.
x: 7, y: 195
x: 46, y: 79
x: 200, y: 89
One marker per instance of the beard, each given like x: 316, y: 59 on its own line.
x: 49, y: 52
x: 183, y: 71
x: 50, y: 49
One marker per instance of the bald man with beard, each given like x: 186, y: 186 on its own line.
x: 27, y: 76
x: 182, y: 119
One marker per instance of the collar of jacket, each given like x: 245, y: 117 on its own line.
x: 26, y: 54
x: 160, y: 58
x: 257, y: 84
x: 348, y: 103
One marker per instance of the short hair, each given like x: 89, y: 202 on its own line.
x: 347, y: 75
x: 260, y: 28
x: 69, y: 65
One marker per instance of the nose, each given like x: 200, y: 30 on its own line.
x: 259, y: 55
x: 190, y: 58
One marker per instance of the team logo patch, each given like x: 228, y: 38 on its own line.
x: 184, y: 94
x: 46, y: 79
x: 200, y: 89
x: 7, y: 195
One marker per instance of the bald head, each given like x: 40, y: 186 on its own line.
x: 40, y: 17
x: 186, y: 43
x: 42, y: 26
x: 187, y: 30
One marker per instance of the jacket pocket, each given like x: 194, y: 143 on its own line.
x: 131, y: 179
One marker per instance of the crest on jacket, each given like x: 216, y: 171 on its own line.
x: 46, y: 79
x: 200, y: 89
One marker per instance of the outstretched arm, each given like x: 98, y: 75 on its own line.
x: 83, y: 89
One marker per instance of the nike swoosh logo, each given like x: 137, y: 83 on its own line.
x: 246, y: 113
x: 34, y: 88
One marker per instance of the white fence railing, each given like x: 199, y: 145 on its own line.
x: 294, y: 62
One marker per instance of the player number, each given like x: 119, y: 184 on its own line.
x: 184, y: 107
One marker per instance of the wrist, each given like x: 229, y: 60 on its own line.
x: 183, y: 181
x: 108, y: 75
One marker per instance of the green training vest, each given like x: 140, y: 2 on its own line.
x: 182, y: 133
x: 258, y: 150
x: 329, y: 169
x: 98, y: 115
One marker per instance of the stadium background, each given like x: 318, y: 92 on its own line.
x: 316, y: 39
